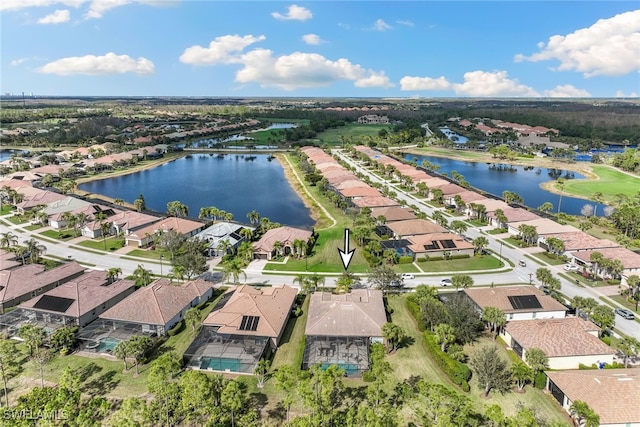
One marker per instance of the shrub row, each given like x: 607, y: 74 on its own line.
x: 179, y: 327
x: 457, y: 372
x: 405, y: 260
x: 414, y: 309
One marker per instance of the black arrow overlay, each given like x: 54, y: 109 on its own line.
x: 346, y: 254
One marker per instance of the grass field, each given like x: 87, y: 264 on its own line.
x: 484, y: 262
x: 544, y: 256
x: 609, y: 182
x: 112, y: 244
x: 59, y: 235
x: 291, y: 348
x: 150, y: 254
x: 350, y: 132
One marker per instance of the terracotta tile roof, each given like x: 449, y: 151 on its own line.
x: 568, y: 337
x: 357, y: 314
x: 285, y: 235
x: 579, y: 240
x: 419, y: 242
x: 41, y: 197
x: 614, y: 394
x: 129, y: 220
x: 14, y: 183
x: 360, y: 192
x: 374, y: 201
x: 517, y: 215
x: 470, y: 196
x: 158, y: 302
x: 346, y: 182
x: 8, y: 260
x: 271, y: 304
x: 412, y: 227
x: 31, y: 277
x: 492, y: 204
x: 629, y: 259
x: 181, y: 225
x: 499, y: 297
x: 393, y: 213
x: 434, y: 182
x: 544, y: 226
x: 88, y: 291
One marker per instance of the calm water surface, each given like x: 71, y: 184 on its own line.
x: 231, y: 183
x: 496, y: 178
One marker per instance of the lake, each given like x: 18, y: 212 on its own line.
x: 495, y: 178
x: 234, y: 183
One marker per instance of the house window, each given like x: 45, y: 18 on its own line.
x: 510, y: 316
x: 533, y: 315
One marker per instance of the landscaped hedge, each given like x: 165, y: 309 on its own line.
x: 414, y: 309
x: 540, y: 381
x: 457, y: 372
x: 405, y: 260
x: 179, y: 327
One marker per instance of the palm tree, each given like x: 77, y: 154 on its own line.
x: 254, y: 217
x: 629, y: 347
x: 444, y: 335
x: 121, y: 351
x: 393, y: 334
x: 142, y: 276
x: 560, y: 184
x: 105, y: 229
x: 597, y: 198
x: 495, y: 318
x: 233, y: 268
x: 277, y: 246
x: 586, y: 417
x: 537, y: 360
x: 35, y: 249
x: 192, y: 317
x: 113, y: 274
x: 480, y: 243
x: 245, y: 251
x: 8, y: 239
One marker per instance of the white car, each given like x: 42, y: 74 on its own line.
x: 445, y: 282
x: 407, y: 276
x: 571, y: 267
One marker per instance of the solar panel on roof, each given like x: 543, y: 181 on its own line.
x: 243, y: 323
x: 447, y: 244
x: 249, y: 323
x: 519, y: 302
x: 51, y: 303
x: 254, y: 325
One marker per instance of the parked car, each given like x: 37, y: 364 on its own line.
x: 407, y: 276
x: 624, y: 313
x: 445, y: 282
x: 522, y: 263
x: 571, y: 267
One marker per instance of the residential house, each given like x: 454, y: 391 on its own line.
x: 145, y: 236
x: 268, y: 246
x: 92, y: 211
x: 517, y: 302
x: 23, y: 283
x: 77, y: 302
x: 393, y: 213
x: 438, y: 245
x: 241, y: 328
x: 34, y: 197
x: 8, y: 260
x: 340, y: 329
x: 613, y: 394
x: 228, y: 232
x: 373, y: 202
x: 567, y: 342
x: 575, y: 241
x: 123, y: 222
x: 630, y: 260
x: 543, y: 227
x: 414, y: 227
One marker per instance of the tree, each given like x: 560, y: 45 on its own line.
x: 192, y: 317
x: 546, y: 207
x: 521, y: 374
x: 543, y: 275
x: 555, y: 245
x: 8, y: 239
x: 458, y: 226
x: 142, y: 276
x: 495, y: 318
x: 171, y: 241
x: 33, y: 336
x: 233, y: 269
x: 232, y: 399
x: 140, y: 203
x: 463, y: 281
x: 586, y: 417
x: 35, y: 249
x: 137, y: 347
x: 464, y: 317
x: 254, y: 217
x: 121, y: 351
x: 394, y: 335
x: 346, y: 281
x: 444, y: 335
x: 177, y: 209
x: 629, y: 347
x: 537, y: 360
x: 9, y: 363
x: 491, y: 370
x: 383, y: 277
x: 560, y: 185
x: 166, y: 392
x: 41, y: 357
x: 64, y: 339
x: 196, y: 397
x: 603, y: 316
x: 480, y: 243
x: 113, y: 274
x: 286, y: 381
x: 261, y: 371
x: 190, y: 257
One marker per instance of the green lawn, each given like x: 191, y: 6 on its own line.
x: 151, y: 254
x: 59, y: 235
x: 543, y: 404
x: 16, y: 219
x: 291, y: 348
x: 352, y: 132
x: 518, y: 243
x: 610, y: 182
x: 112, y: 244
x: 33, y: 227
x: 484, y: 262
x: 405, y: 268
x: 544, y: 256
x: 6, y: 209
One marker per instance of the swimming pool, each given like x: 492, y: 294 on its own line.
x: 107, y: 345
x: 349, y: 368
x: 220, y: 364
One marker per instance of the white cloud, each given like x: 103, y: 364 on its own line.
x: 312, y: 39
x: 621, y: 94
x: 98, y: 65
x: 609, y: 47
x: 476, y: 83
x: 224, y: 49
x: 303, y: 70
x: 18, y: 61
x: 57, y: 17
x: 98, y: 8
x: 406, y: 23
x: 23, y: 4
x: 295, y: 12
x: 380, y: 25
x: 424, y: 83
x: 566, y: 91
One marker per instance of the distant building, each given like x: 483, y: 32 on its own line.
x: 371, y: 119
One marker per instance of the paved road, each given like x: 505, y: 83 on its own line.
x: 516, y: 275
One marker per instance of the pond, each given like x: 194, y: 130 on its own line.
x: 236, y: 183
x: 494, y: 178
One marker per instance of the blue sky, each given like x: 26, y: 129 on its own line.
x: 320, y: 48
